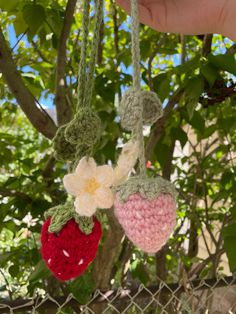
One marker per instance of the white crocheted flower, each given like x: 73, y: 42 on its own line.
x: 126, y: 161
x: 90, y: 184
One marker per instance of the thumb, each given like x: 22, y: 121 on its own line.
x: 145, y: 15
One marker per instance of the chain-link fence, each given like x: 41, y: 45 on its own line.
x: 207, y: 296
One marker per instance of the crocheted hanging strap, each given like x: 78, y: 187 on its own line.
x: 94, y: 51
x: 138, y: 130
x: 81, y: 134
x: 86, y: 80
x: 85, y: 129
x: 83, y: 53
x: 79, y: 137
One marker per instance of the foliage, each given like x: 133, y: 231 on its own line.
x: 200, y: 124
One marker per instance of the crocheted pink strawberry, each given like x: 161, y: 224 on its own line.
x: 146, y: 210
x: 69, y: 252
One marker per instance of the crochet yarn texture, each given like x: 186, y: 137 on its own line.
x: 148, y: 188
x: 145, y: 104
x: 64, y: 151
x: 69, y: 240
x: 85, y: 128
x: 61, y: 214
x: 69, y: 252
x: 146, y: 209
x: 147, y: 223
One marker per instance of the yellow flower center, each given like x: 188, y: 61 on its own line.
x: 91, y: 186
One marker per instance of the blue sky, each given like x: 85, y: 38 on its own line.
x: 48, y: 102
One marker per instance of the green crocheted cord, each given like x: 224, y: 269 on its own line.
x: 61, y: 214
x: 148, y: 188
x: 63, y: 150
x: 85, y: 128
x: 79, y: 137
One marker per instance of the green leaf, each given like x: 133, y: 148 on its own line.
x: 55, y: 21
x: 34, y: 15
x: 161, y: 84
x: 224, y: 62
x: 5, y: 257
x: 40, y: 272
x: 226, y: 123
x: 229, y: 234
x: 19, y: 24
x: 188, y: 67
x: 82, y: 288
x: 197, y: 122
x: 191, y: 106
x: 227, y: 177
x: 233, y: 211
x: 179, y: 134
x: 138, y: 271
x: 162, y: 151
x: 210, y: 72
x: 195, y: 87
x: 14, y: 270
x: 8, y: 5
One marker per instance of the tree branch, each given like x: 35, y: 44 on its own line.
x: 38, y: 117
x: 63, y: 109
x: 108, y: 254
x: 207, y: 42
x: 232, y: 49
x: 153, y: 55
x: 40, y: 54
x: 12, y: 193
x: 160, y: 124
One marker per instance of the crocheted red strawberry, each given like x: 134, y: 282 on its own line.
x: 69, y: 252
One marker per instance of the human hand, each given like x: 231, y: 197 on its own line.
x: 188, y: 16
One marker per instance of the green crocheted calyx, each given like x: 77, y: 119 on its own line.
x: 148, y: 188
x: 63, y: 150
x: 85, y: 223
x: 148, y: 106
x: 85, y: 128
x: 61, y: 214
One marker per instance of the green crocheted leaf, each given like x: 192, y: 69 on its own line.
x: 133, y: 104
x: 85, y: 223
x: 64, y: 151
x: 85, y: 128
x: 50, y: 212
x: 60, y: 217
x: 61, y: 214
x: 148, y: 188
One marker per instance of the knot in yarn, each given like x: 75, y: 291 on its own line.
x: 63, y: 150
x: 145, y: 103
x: 85, y: 128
